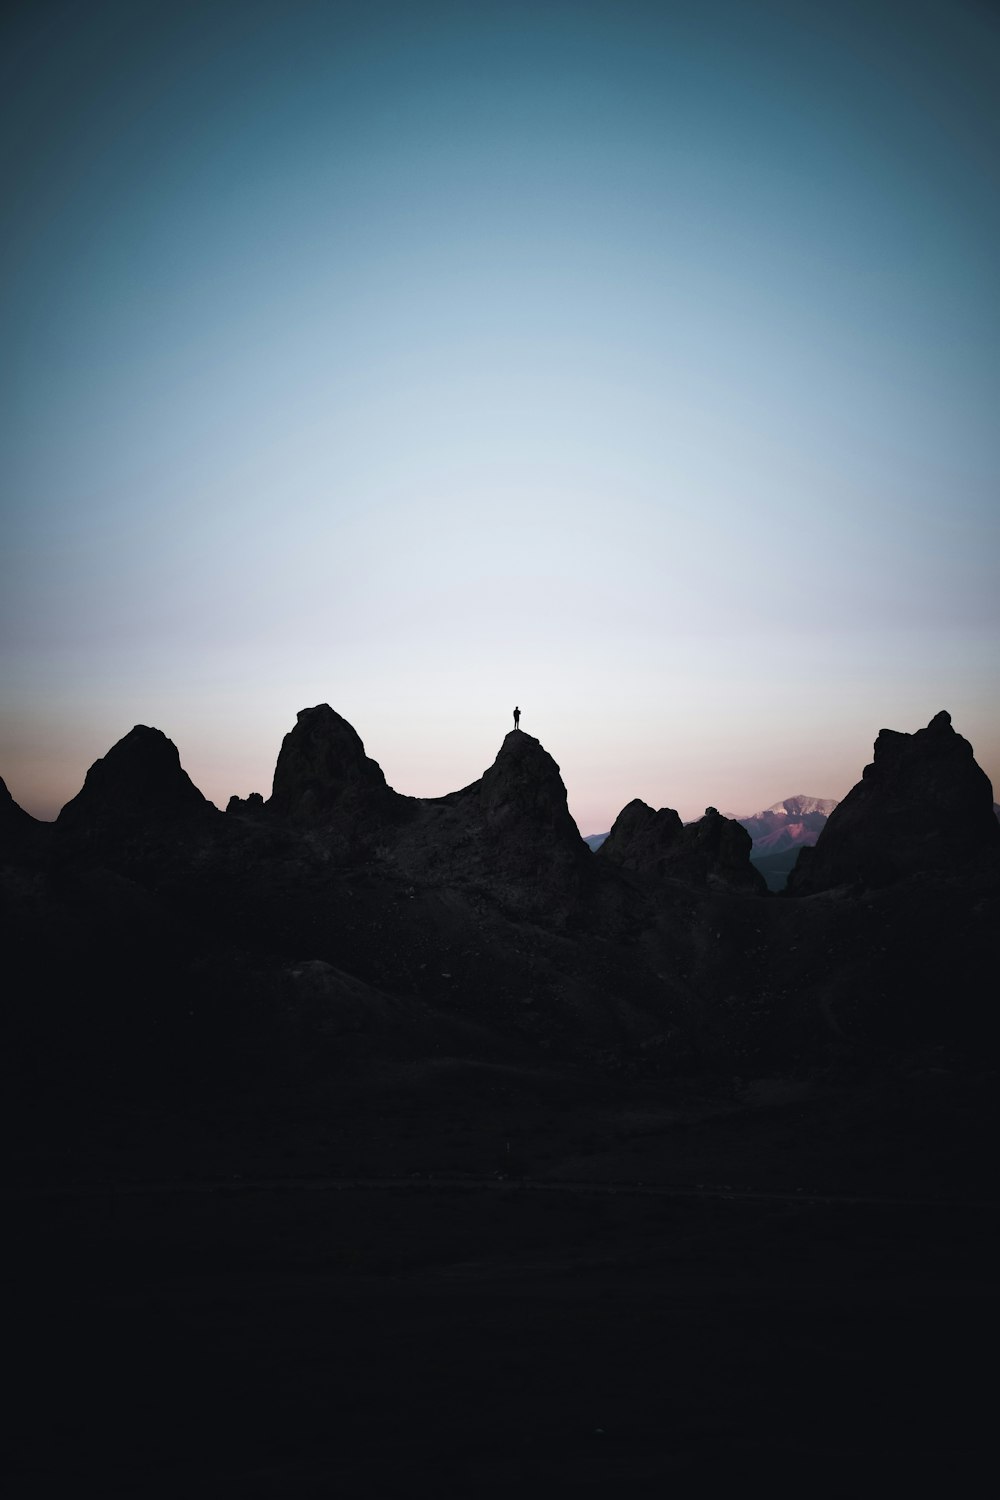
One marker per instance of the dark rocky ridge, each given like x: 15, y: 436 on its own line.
x: 778, y: 833
x: 714, y: 850
x: 510, y: 830
x: 483, y: 912
x: 922, y: 805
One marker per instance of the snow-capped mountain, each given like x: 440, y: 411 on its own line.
x: 787, y: 824
x: 797, y: 807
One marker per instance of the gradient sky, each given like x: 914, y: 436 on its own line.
x: 636, y: 363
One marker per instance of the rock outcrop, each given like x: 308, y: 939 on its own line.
x: 324, y: 779
x: 522, y: 800
x: 512, y: 829
x: 642, y: 839
x: 716, y: 851
x: 250, y: 807
x: 139, y: 782
x: 16, y: 826
x: 923, y: 805
x: 713, y: 851
x: 523, y: 793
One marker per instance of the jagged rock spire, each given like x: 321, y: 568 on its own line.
x: 139, y: 781
x: 323, y: 774
x: 524, y: 786
x: 923, y: 804
x: 715, y: 850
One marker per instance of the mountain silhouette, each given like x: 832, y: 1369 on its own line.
x: 324, y: 777
x: 922, y: 805
x: 353, y: 1077
x: 485, y: 919
x: 139, y: 782
x: 713, y: 850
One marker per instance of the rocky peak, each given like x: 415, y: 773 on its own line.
x: 718, y: 849
x: 642, y: 839
x: 510, y: 832
x: 323, y: 774
x: 139, y: 781
x: 251, y: 806
x: 923, y: 804
x: 524, y: 785
x: 714, y: 851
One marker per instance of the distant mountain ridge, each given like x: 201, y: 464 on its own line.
x: 798, y: 806
x: 793, y: 823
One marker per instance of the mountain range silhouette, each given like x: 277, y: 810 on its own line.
x: 490, y: 894
x: 343, y: 1112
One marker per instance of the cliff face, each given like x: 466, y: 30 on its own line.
x: 922, y: 805
x: 713, y: 851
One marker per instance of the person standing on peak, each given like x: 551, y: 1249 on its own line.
x: 517, y: 718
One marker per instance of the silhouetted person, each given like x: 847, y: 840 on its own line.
x: 517, y: 718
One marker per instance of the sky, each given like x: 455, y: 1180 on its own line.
x: 634, y: 363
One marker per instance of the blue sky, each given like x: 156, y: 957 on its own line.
x: 636, y: 363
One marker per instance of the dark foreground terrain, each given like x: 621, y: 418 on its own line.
x: 367, y: 1145
x: 529, y: 1294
